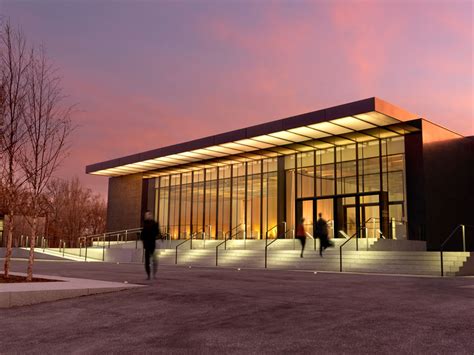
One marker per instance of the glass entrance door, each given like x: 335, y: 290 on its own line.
x: 345, y: 214
x: 325, y: 207
x: 305, y: 209
x: 355, y: 212
x: 370, y: 217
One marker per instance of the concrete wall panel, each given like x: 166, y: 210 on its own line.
x: 124, y: 204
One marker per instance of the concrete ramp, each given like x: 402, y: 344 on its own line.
x: 23, y: 253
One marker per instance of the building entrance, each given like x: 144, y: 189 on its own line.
x: 347, y: 214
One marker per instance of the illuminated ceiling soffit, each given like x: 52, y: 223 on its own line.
x: 340, y: 131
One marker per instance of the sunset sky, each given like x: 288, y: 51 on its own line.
x: 154, y: 73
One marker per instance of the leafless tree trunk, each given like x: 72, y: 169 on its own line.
x: 14, y: 64
x: 48, y: 125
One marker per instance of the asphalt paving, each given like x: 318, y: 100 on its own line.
x: 227, y: 311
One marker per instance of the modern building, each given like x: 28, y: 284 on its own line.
x: 368, y: 166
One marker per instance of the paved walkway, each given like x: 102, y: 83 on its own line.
x: 248, y: 311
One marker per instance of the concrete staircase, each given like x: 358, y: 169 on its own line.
x: 390, y: 262
x: 372, y: 256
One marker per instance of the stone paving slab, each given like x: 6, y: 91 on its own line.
x: 22, y: 294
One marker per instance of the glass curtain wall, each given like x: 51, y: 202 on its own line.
x: 366, y: 175
x: 350, y: 183
x: 269, y: 201
x: 237, y: 221
x: 234, y: 201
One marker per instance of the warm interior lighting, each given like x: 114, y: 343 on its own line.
x: 309, y: 132
x: 226, y: 151
x: 290, y: 136
x: 272, y: 140
x: 377, y: 118
x: 330, y: 128
x: 241, y: 147
x: 255, y: 143
x: 353, y: 123
x: 209, y: 152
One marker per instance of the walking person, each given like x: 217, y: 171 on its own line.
x: 322, y: 233
x: 151, y: 230
x: 301, y: 235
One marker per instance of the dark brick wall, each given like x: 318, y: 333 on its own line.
x: 124, y: 203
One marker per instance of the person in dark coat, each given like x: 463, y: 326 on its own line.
x: 301, y: 235
x: 151, y: 230
x: 322, y: 233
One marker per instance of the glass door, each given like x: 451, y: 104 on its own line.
x: 305, y: 209
x: 325, y: 207
x: 370, y: 215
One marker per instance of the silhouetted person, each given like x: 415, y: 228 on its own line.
x: 322, y: 233
x: 151, y: 230
x: 301, y: 235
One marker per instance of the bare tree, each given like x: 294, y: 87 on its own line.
x: 48, y: 126
x: 74, y: 211
x: 14, y: 65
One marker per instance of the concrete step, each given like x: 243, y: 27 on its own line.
x: 418, y: 263
x: 397, y: 262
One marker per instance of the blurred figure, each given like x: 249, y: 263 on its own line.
x: 151, y: 230
x: 322, y: 233
x: 301, y: 235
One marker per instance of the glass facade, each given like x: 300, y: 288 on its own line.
x: 352, y: 185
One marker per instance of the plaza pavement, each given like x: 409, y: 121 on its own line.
x: 205, y: 310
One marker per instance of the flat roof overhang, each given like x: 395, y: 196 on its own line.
x: 340, y: 125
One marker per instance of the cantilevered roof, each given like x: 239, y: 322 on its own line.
x: 344, y: 124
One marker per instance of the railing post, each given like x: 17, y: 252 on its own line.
x: 294, y: 240
x: 64, y: 247
x: 126, y: 235
x: 441, y: 256
x: 463, y: 229
x: 266, y: 247
x: 340, y: 258
x: 176, y: 255
x: 217, y: 253
x: 85, y: 252
x: 103, y: 249
x: 394, y: 229
x: 366, y: 237
x: 109, y: 241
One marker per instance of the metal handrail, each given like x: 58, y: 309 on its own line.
x: 177, y: 246
x: 275, y: 226
x: 340, y: 248
x: 193, y: 235
x: 131, y: 230
x: 229, y: 233
x: 441, y: 248
x: 103, y: 236
x: 273, y: 241
x: 217, y: 249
